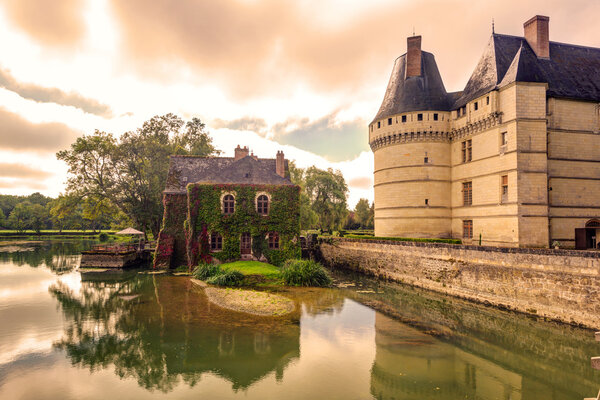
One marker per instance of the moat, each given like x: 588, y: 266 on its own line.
x: 133, y: 335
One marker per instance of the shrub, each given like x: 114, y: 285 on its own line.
x: 228, y: 278
x: 204, y: 271
x: 305, y: 273
x: 103, y: 237
x: 181, y: 268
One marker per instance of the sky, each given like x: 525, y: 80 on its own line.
x: 302, y: 76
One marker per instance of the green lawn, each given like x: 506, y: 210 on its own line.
x: 254, y: 268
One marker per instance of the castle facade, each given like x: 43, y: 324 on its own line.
x: 512, y: 160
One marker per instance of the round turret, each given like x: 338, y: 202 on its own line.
x: 410, y: 141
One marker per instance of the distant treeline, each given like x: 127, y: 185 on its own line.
x: 38, y: 212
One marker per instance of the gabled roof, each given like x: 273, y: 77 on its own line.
x: 226, y: 170
x: 417, y: 93
x: 571, y: 71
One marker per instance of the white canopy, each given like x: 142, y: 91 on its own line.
x: 129, y: 231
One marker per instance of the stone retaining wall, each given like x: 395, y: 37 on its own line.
x: 558, y: 284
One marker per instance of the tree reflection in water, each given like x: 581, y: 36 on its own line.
x: 170, y: 332
x: 60, y: 256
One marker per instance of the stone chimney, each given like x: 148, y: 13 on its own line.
x: 536, y: 34
x: 413, y: 56
x: 280, y: 164
x: 240, y: 152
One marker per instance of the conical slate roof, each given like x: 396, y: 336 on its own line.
x: 417, y: 93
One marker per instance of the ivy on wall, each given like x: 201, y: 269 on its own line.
x: 190, y: 219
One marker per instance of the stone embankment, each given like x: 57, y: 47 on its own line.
x: 562, y: 285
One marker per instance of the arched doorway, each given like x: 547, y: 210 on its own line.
x: 588, y: 237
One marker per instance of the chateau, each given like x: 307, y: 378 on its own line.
x: 512, y: 160
x: 227, y: 208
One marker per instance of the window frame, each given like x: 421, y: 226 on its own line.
x: 267, y: 205
x: 467, y: 191
x: 467, y: 229
x: 420, y: 117
x: 216, y: 242
x: 228, y: 204
x: 273, y: 241
x: 504, y: 189
x: 403, y: 118
x: 467, y: 150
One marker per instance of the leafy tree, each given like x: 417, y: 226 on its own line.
x: 362, y: 213
x: 308, y: 218
x: 38, y: 217
x: 19, y: 218
x: 2, y: 218
x: 327, y: 191
x: 130, y: 173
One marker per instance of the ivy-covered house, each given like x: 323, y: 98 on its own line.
x: 228, y: 208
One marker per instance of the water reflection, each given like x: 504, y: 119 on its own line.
x: 131, y: 335
x: 60, y: 256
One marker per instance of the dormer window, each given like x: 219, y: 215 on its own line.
x: 419, y: 117
x: 228, y: 204
x: 262, y: 204
x: 389, y: 121
x: 404, y: 118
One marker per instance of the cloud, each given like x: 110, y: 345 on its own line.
x: 43, y: 94
x: 257, y: 125
x: 9, y: 170
x: 254, y: 48
x: 361, y: 182
x: 50, y: 22
x: 22, y: 135
x: 20, y: 184
x: 336, y: 141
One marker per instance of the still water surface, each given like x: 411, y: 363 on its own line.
x: 138, y: 336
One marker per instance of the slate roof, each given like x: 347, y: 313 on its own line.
x: 190, y: 169
x: 417, y: 93
x: 571, y: 72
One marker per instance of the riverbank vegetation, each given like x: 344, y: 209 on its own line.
x: 256, y: 273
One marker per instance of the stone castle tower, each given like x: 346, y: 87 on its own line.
x: 513, y: 158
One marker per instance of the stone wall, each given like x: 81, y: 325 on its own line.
x: 562, y: 285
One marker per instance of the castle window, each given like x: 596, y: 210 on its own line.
x: 476, y: 106
x: 487, y: 101
x: 467, y: 151
x: 378, y: 124
x: 228, y: 204
x: 503, y: 139
x: 426, y: 202
x: 504, y: 188
x: 273, y: 238
x: 216, y: 242
x: 468, y: 229
x: 435, y: 117
x: 404, y: 118
x: 389, y: 121
x: 262, y: 204
x: 467, y: 193
x: 419, y: 117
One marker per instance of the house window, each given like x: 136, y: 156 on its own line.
x: 419, y: 117
x: 487, y: 101
x: 468, y: 229
x: 378, y: 124
x: 404, y: 118
x: 503, y: 139
x: 504, y: 188
x: 216, y: 242
x: 467, y: 151
x: 228, y: 204
x: 435, y: 117
x: 467, y: 193
x: 389, y: 121
x: 262, y: 204
x: 273, y: 240
x: 476, y: 106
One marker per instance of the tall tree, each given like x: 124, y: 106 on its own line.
x: 131, y: 172
x: 327, y: 191
x: 362, y: 212
x: 308, y: 218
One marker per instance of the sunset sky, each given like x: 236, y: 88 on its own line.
x: 303, y: 76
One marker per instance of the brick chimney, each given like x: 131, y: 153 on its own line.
x: 240, y: 152
x: 280, y: 164
x: 536, y: 34
x: 413, y: 56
